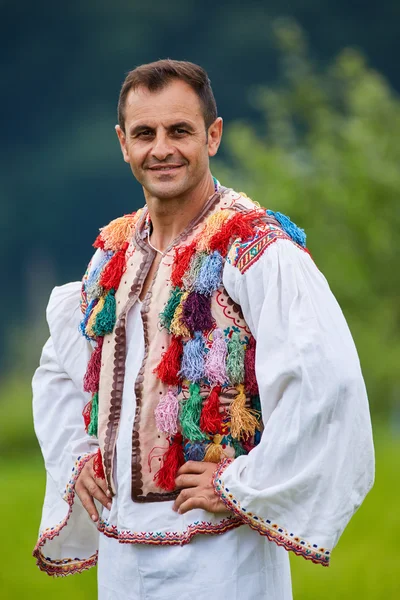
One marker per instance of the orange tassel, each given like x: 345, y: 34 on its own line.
x: 170, y: 364
x: 214, y: 452
x: 211, y: 418
x: 173, y: 459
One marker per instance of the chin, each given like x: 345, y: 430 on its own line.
x: 166, y: 190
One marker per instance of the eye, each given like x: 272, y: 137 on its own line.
x: 146, y: 133
x: 180, y: 131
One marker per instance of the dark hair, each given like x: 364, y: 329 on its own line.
x: 156, y: 75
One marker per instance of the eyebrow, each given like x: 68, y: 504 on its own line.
x: 179, y: 125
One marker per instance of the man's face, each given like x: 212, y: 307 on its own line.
x: 165, y: 140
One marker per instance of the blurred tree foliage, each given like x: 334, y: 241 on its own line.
x: 327, y: 153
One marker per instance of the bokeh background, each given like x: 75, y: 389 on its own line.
x: 309, y: 94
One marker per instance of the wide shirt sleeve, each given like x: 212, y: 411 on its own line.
x: 58, y: 402
x: 315, y: 461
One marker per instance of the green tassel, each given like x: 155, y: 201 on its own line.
x: 239, y: 450
x: 235, y: 360
x: 167, y: 314
x: 105, y: 320
x: 94, y: 415
x: 190, y: 415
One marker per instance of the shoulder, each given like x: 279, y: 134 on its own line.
x: 118, y: 232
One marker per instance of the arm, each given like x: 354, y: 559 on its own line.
x: 314, y: 464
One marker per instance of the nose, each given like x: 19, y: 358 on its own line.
x: 162, y: 147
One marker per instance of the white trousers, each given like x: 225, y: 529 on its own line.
x: 238, y: 565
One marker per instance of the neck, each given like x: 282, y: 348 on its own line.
x: 171, y: 216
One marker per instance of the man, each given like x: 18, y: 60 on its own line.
x: 204, y: 383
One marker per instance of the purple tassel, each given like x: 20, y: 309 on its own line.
x: 210, y: 274
x: 196, y: 312
x: 193, y: 359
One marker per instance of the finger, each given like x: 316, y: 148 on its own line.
x: 192, y: 466
x: 184, y: 495
x: 96, y: 492
x: 87, y: 503
x: 186, y: 481
x: 102, y: 483
x: 192, y: 503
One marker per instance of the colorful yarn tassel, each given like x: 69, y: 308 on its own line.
x: 196, y: 313
x: 298, y: 235
x: 214, y: 451
x: 213, y: 225
x: 86, y: 414
x: 94, y: 415
x: 192, y: 274
x: 235, y: 360
x: 195, y: 451
x: 243, y: 420
x: 93, y: 287
x: 170, y: 364
x: 193, y: 359
x: 116, y: 233
x: 92, y: 376
x: 178, y: 327
x: 215, y: 364
x: 166, y: 413
x: 239, y: 450
x: 113, y: 271
x: 211, y: 417
x: 238, y: 226
x: 210, y: 274
x: 250, y: 381
x: 105, y: 319
x: 167, y: 314
x: 98, y: 466
x: 173, y: 459
x: 182, y: 259
x: 83, y: 326
x: 190, y: 415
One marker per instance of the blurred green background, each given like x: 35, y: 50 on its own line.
x: 312, y: 127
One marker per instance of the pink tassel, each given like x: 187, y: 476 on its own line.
x: 166, y: 414
x: 92, y: 375
x: 250, y: 381
x: 215, y: 365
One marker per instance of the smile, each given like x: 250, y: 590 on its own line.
x: 165, y: 168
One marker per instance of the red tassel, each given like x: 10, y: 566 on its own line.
x: 182, y: 259
x: 173, y: 459
x: 211, y: 418
x: 250, y: 381
x: 239, y: 226
x: 170, y: 364
x: 98, y: 242
x: 92, y: 375
x: 98, y: 466
x: 86, y: 414
x: 111, y: 276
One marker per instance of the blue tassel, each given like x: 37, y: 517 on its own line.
x: 298, y: 235
x: 83, y: 323
x: 93, y: 289
x: 195, y: 451
x: 192, y: 367
x: 210, y: 275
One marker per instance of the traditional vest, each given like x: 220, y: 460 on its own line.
x: 196, y: 392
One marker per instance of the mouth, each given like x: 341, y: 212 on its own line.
x: 165, y: 169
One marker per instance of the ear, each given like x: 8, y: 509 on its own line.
x: 122, y: 142
x: 214, y: 136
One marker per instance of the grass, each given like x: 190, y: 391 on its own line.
x: 363, y: 565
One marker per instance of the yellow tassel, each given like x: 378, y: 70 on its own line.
x: 178, y: 328
x: 92, y: 318
x: 119, y: 231
x: 212, y: 226
x: 214, y: 451
x: 243, y: 420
